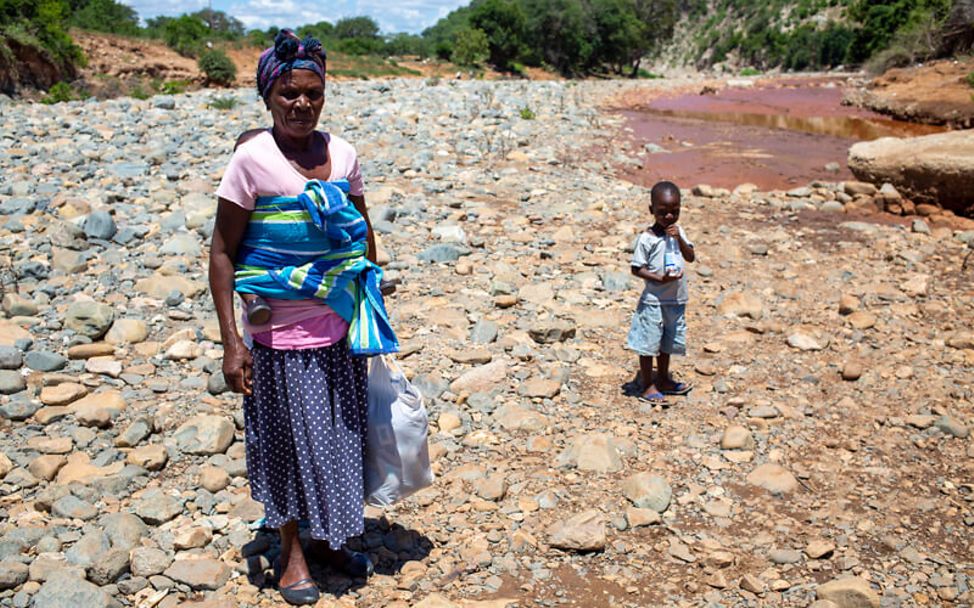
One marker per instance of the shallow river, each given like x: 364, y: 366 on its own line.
x: 777, y: 136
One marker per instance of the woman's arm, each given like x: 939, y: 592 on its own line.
x: 359, y: 201
x: 231, y: 222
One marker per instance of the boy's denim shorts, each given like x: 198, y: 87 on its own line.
x: 657, y: 329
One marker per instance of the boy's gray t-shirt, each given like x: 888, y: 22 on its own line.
x: 648, y: 252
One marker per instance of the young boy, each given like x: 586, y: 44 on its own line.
x: 658, y: 326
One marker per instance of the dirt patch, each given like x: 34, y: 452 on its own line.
x: 935, y: 93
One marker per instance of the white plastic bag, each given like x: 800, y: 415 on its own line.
x: 397, y: 461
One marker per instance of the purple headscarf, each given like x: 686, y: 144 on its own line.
x: 289, y: 53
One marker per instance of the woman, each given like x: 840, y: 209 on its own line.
x: 304, y: 389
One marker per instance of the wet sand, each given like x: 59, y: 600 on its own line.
x: 777, y: 136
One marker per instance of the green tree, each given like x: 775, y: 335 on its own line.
x: 357, y: 27
x: 504, y: 23
x: 406, y: 44
x: 562, y: 34
x: 620, y: 33
x: 105, y: 16
x: 441, y: 35
x: 322, y: 30
x: 185, y: 34
x: 881, y: 19
x: 470, y: 48
x: 220, y: 23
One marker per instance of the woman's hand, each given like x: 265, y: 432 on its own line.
x: 238, y: 366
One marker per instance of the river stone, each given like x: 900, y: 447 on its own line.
x: 199, y: 574
x: 952, y: 426
x: 11, y: 382
x: 15, y: 305
x: 88, y: 549
x: 852, y: 592
x: 10, y: 357
x: 90, y: 319
x: 804, y: 341
x: 11, y: 333
x: 648, y: 491
x: 481, y: 379
x: 148, y: 561
x: 127, y: 331
x: 45, y: 361
x: 124, y: 530
x: 12, y: 574
x: 99, y: 225
x: 741, y: 304
x: 70, y: 592
x: 544, y: 388
x: 737, y: 437
x: 98, y: 409
x: 109, y: 568
x: 205, y: 435
x: 149, y: 457
x: 773, y: 478
x: 582, y: 532
x: 443, y: 252
x: 593, y: 452
x: 5, y: 465
x: 156, y: 508
x: 20, y: 409
x: 62, y: 394
x: 551, y: 331
x: 71, y: 507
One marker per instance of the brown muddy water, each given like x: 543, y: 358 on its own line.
x: 778, y: 135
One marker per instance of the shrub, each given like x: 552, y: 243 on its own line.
x: 218, y: 67
x: 527, y: 113
x: 470, y: 48
x: 59, y: 92
x: 969, y: 79
x: 139, y: 93
x: 224, y: 103
x: 173, y: 87
x: 749, y: 71
x: 647, y: 75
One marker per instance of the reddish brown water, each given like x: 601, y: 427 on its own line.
x: 777, y: 136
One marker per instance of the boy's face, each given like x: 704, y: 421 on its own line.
x: 666, y: 210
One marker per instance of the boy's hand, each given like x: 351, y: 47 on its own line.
x: 669, y: 278
x: 673, y: 230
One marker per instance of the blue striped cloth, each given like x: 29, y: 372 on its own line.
x: 313, y: 246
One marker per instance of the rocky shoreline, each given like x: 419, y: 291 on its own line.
x: 823, y: 455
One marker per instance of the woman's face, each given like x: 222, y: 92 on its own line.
x: 295, y: 103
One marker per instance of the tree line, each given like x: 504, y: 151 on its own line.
x: 573, y: 37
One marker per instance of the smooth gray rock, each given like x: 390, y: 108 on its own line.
x: 11, y: 382
x: 89, y: 549
x: 124, y: 530
x: 443, y: 252
x: 72, y: 507
x: 90, y: 319
x: 70, y: 592
x: 100, y: 225
x: 10, y: 357
x: 45, y: 361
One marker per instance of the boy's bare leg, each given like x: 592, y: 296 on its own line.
x: 663, y: 378
x: 646, y: 376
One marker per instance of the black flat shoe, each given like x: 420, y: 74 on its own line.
x: 352, y: 563
x: 300, y: 597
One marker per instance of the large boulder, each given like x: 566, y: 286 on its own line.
x: 935, y: 168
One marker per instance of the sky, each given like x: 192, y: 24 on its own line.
x: 398, y: 16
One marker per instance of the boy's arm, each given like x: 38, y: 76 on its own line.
x: 644, y: 273
x: 686, y: 247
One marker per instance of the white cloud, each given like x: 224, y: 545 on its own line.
x: 402, y: 16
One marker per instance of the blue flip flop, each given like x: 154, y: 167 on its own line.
x: 681, y: 388
x: 656, y: 398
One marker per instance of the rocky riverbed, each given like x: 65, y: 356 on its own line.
x: 824, y: 454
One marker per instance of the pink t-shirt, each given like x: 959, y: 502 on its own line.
x: 258, y: 168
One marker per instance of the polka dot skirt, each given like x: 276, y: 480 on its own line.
x: 305, y: 437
